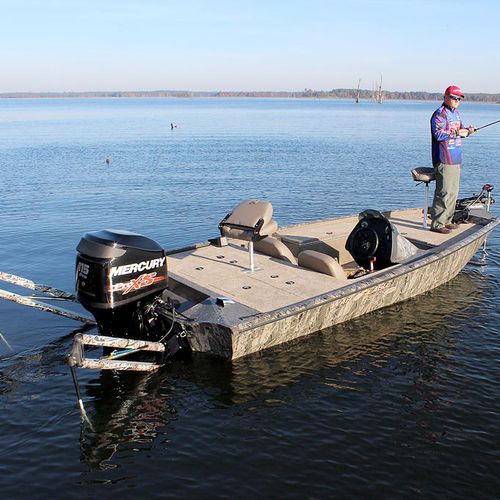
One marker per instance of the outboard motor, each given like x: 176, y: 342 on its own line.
x: 375, y: 243
x: 119, y: 278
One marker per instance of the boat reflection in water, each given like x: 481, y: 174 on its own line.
x: 130, y: 411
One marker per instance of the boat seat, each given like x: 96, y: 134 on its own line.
x: 425, y: 175
x: 321, y: 263
x: 275, y: 248
x: 250, y: 221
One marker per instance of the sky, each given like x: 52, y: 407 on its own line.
x: 213, y: 45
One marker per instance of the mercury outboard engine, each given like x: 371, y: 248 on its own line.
x: 375, y: 243
x: 120, y: 277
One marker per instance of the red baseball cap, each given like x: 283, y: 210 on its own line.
x: 453, y: 90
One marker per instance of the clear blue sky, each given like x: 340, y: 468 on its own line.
x: 64, y: 45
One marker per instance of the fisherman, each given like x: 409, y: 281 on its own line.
x: 447, y: 132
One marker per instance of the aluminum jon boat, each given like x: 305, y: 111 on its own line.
x: 257, y: 285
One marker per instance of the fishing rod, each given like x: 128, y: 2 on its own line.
x: 484, y: 126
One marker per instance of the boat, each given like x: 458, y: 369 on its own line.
x: 256, y: 285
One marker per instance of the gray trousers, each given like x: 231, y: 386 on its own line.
x: 445, y: 196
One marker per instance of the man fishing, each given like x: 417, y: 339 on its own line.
x: 447, y: 133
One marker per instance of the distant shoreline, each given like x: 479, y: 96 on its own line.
x: 307, y: 93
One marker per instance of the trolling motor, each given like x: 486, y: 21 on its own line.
x: 481, y: 201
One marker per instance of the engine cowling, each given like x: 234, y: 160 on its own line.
x: 118, y: 274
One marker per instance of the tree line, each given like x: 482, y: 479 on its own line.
x: 306, y: 93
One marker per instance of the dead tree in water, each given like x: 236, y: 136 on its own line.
x: 378, y: 93
x: 357, y: 92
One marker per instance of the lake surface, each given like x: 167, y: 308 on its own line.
x: 401, y: 403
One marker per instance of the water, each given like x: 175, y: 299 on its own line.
x: 402, y: 403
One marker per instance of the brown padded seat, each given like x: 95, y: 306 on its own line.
x: 423, y: 174
x: 321, y: 263
x: 275, y: 248
x: 251, y: 220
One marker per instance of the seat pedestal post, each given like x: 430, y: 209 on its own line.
x: 251, y: 264
x: 426, y: 203
x: 250, y: 253
x: 425, y: 175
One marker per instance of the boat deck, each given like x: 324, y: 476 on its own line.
x: 223, y: 271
